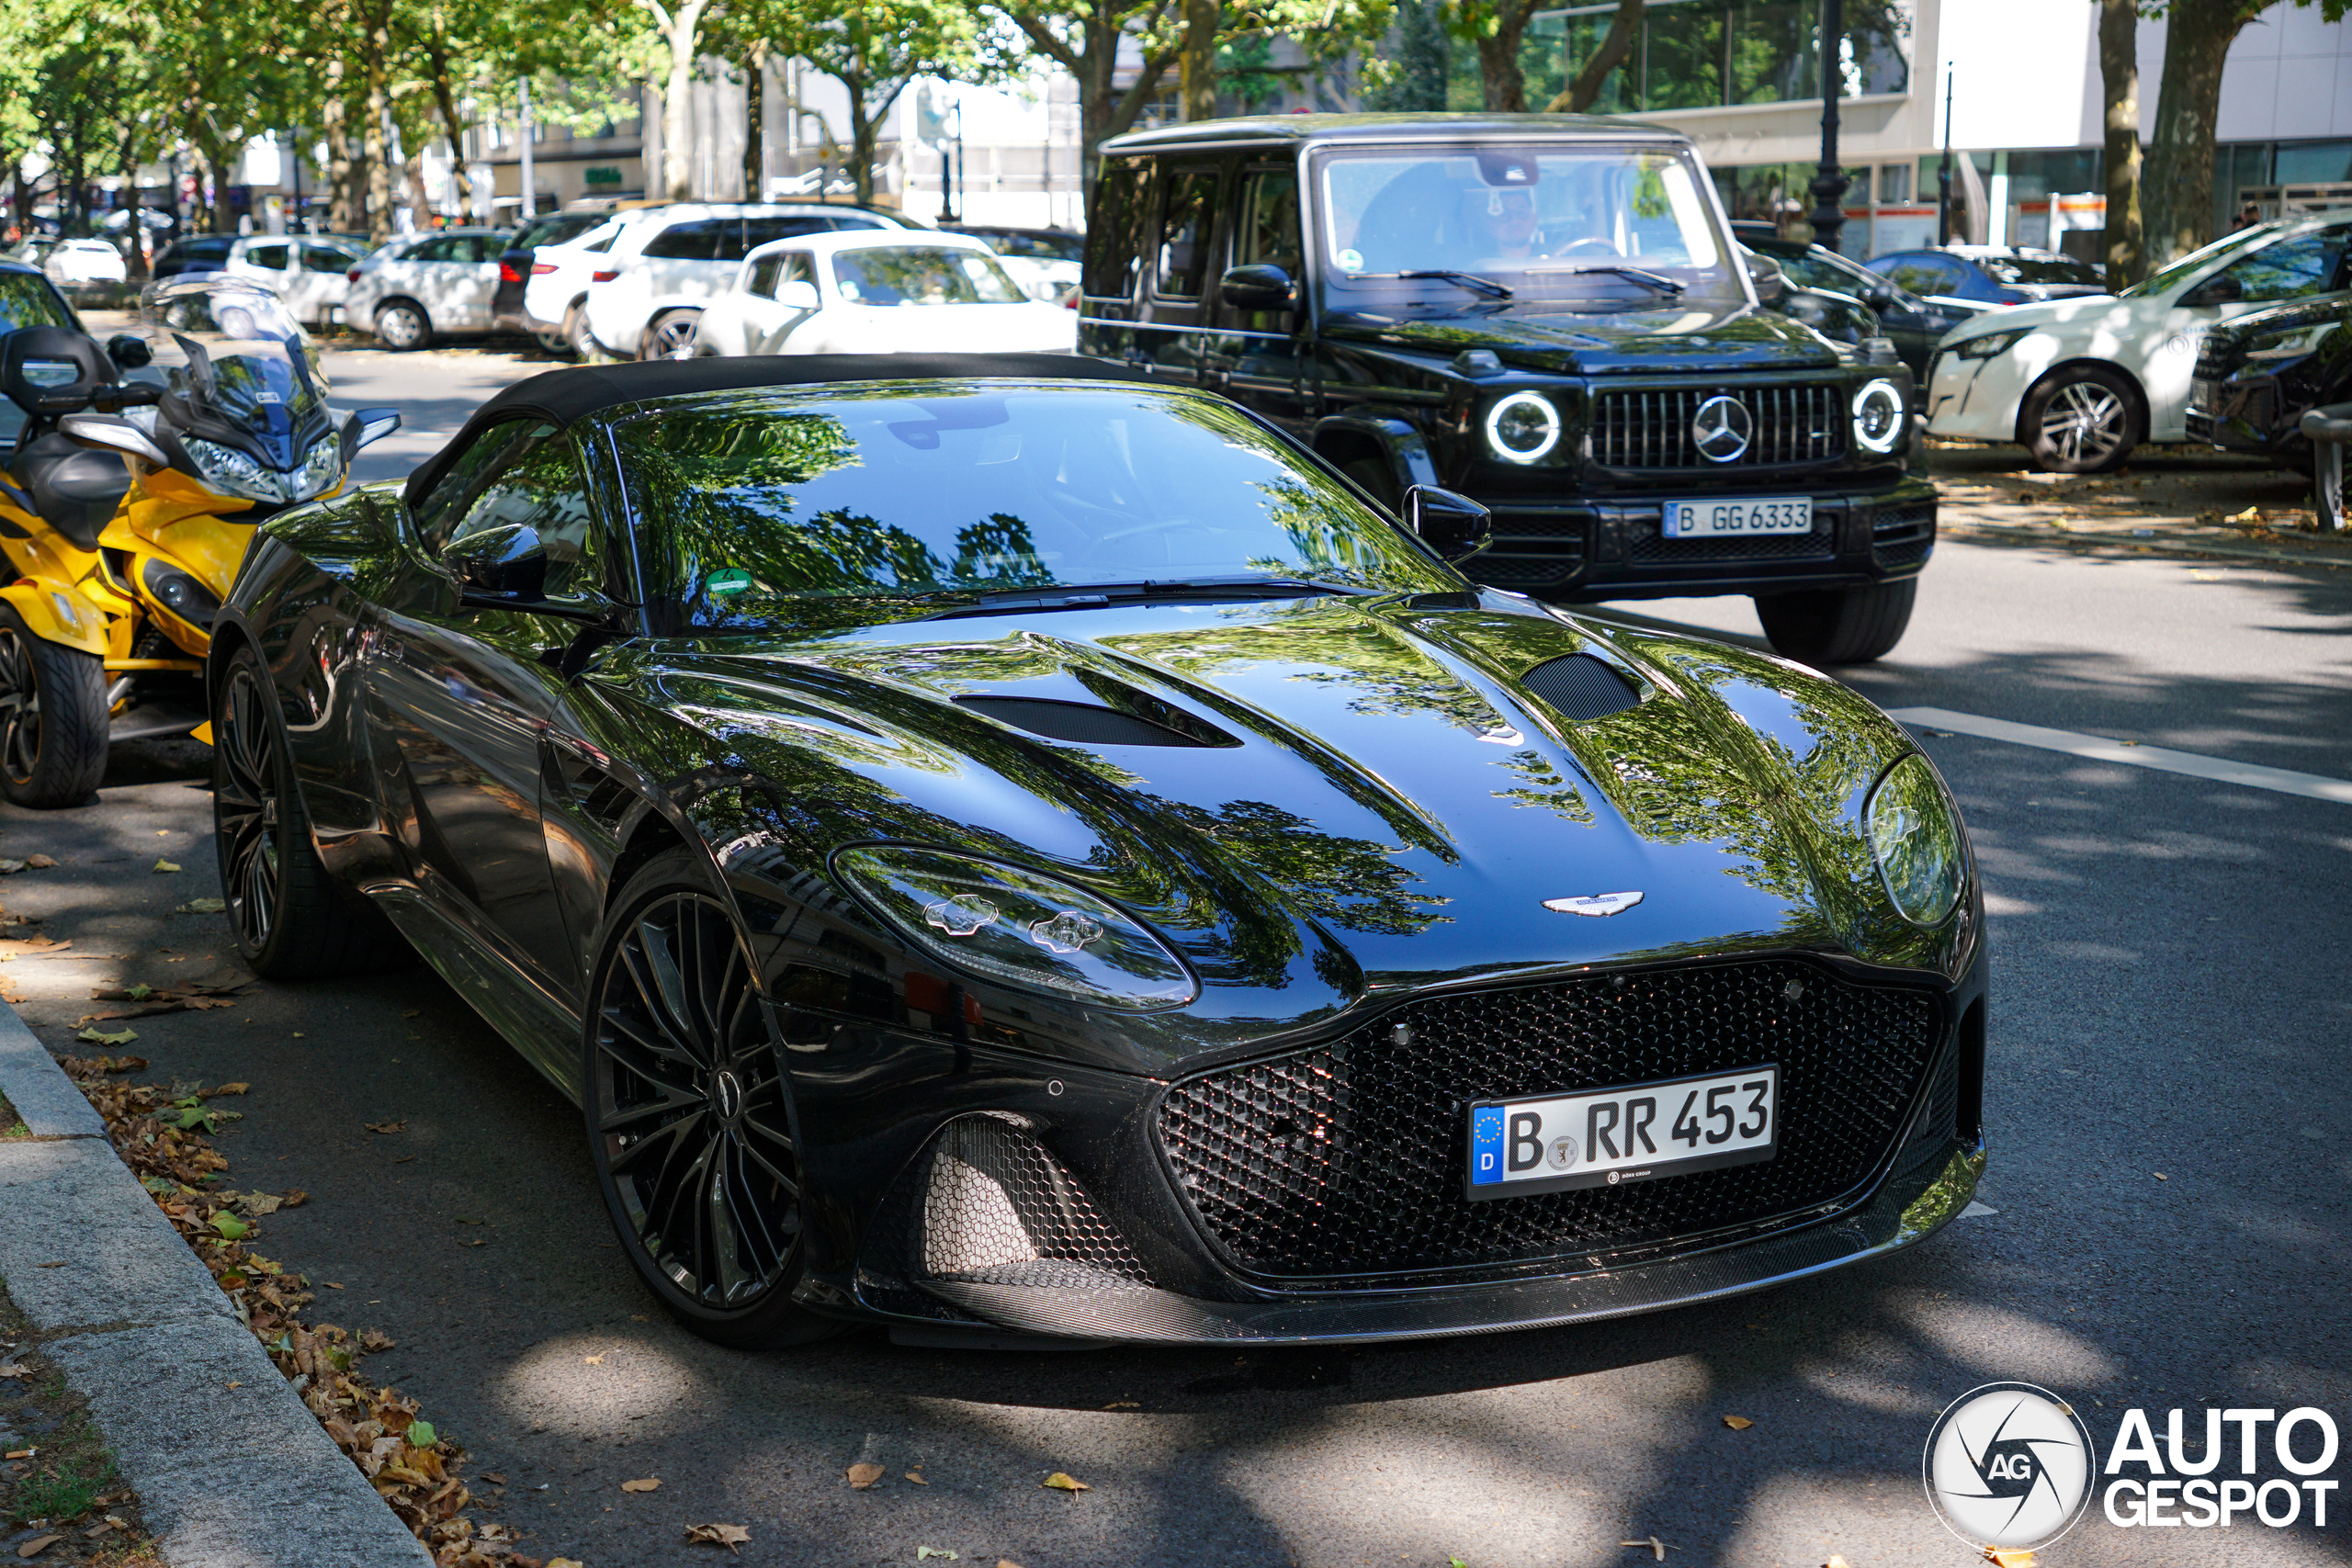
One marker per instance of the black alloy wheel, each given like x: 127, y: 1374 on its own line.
x: 670, y: 336
x: 688, y: 1119
x: 403, y: 326
x: 290, y: 921
x: 52, y: 718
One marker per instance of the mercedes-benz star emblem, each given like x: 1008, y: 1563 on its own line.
x: 1722, y: 428
x: 1596, y: 905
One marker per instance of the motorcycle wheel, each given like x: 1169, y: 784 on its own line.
x: 52, y: 718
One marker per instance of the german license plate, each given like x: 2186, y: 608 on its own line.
x: 1736, y: 518
x: 1633, y: 1133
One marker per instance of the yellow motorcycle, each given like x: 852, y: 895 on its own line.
x: 126, y: 509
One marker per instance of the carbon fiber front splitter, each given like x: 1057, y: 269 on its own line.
x: 1901, y: 1214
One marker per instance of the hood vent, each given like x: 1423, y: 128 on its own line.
x: 1080, y: 722
x: 1581, y: 687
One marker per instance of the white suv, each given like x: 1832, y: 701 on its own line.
x: 640, y: 281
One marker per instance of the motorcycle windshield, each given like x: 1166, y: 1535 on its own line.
x: 240, y: 361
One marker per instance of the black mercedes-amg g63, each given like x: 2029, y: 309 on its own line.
x: 1547, y: 313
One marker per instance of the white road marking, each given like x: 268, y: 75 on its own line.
x: 1976, y: 1210
x: 2286, y: 780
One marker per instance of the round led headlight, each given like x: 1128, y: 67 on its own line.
x: 1879, y: 414
x: 1018, y: 927
x: 1914, y: 837
x: 1522, y: 427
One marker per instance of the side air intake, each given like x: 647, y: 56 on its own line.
x: 1581, y: 687
x: 1081, y: 722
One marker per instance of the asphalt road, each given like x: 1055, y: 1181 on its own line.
x: 2169, y: 997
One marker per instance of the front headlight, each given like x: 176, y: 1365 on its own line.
x: 321, y: 466
x: 1878, y: 416
x: 1522, y: 427
x: 1988, y: 346
x: 226, y: 469
x: 2289, y: 345
x: 1018, y: 927
x: 1914, y: 837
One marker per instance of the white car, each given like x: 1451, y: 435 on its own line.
x: 1044, y: 262
x: 880, y: 293
x: 651, y: 271
x: 2080, y: 382
x: 428, y: 286
x: 79, y: 264
x: 310, y: 274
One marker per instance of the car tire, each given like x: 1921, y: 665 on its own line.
x: 288, y: 917
x: 669, y: 335
x: 583, y: 344
x: 552, y: 343
x: 2084, y: 420
x: 1838, y: 626
x: 679, y: 1062
x: 1378, y: 479
x: 52, y: 718
x: 403, y: 326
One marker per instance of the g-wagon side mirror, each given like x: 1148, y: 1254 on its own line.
x: 1258, y: 286
x: 1456, y: 526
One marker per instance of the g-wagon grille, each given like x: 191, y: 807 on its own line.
x: 1348, y: 1160
x: 1652, y: 430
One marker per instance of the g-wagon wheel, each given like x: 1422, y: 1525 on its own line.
x: 290, y: 921
x: 688, y: 1119
x: 52, y: 718
x: 2080, y: 421
x: 670, y: 336
x: 403, y: 326
x: 1838, y: 626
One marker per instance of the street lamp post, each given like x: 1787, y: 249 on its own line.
x: 1829, y: 182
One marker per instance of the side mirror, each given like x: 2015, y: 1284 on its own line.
x: 501, y: 564
x: 1878, y: 297
x: 797, y: 296
x: 367, y: 426
x: 1456, y: 526
x: 109, y: 434
x: 1260, y: 285
x: 129, y: 351
x: 1765, y: 273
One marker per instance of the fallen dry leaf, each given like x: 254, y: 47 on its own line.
x: 862, y: 1477
x: 10, y: 867
x: 1655, y: 1547
x: 595, y: 1360
x: 729, y: 1536
x: 163, y: 867
x: 40, y: 862
x: 650, y: 1484
x: 916, y: 1476
x: 373, y: 1339
x: 494, y: 1477
x: 1123, y: 1404
x: 1835, y: 1562
x: 96, y: 1067
x: 1006, y: 1562
x: 38, y: 1544
x: 1738, y: 1423
x: 1060, y: 1481
x: 924, y: 1551
x: 2160, y: 1176
x: 565, y: 1562
x: 15, y: 1370
x: 100, y: 1037
x: 201, y: 907
x: 388, y: 1126
x: 2004, y: 1557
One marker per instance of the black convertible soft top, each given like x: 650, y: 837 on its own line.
x: 563, y: 396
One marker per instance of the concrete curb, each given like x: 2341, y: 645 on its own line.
x: 231, y: 1467
x: 2171, y: 544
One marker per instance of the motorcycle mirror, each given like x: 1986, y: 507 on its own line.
x: 129, y: 351
x: 107, y: 434
x: 368, y: 425
x: 1456, y: 526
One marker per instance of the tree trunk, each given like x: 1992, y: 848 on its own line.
x: 1499, y: 73
x: 445, y: 99
x: 1199, y: 60
x: 755, y: 119
x: 1584, y: 87
x: 682, y: 34
x: 2179, y: 194
x: 2119, y: 64
x: 377, y: 152
x: 335, y: 126
x: 860, y: 140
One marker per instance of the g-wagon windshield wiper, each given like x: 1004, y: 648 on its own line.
x: 1470, y: 280
x: 1099, y: 595
x: 1657, y: 280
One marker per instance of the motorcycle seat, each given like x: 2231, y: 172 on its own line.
x: 74, y: 490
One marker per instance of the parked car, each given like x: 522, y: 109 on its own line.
x: 2080, y: 383
x: 1035, y: 851
x: 519, y: 261
x: 2258, y: 375
x: 426, y: 286
x: 79, y: 266
x: 1044, y: 262
x: 1976, y: 278
x: 1546, y: 314
x: 643, y: 279
x: 309, y: 272
x: 879, y: 291
x: 27, y: 299
x: 1849, y: 325
x: 1912, y: 323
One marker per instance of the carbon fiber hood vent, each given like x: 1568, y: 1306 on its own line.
x: 1581, y: 687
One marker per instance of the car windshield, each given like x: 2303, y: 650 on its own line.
x: 1547, y: 222
x: 2041, y: 269
x: 2197, y: 262
x: 763, y: 501
x: 922, y: 274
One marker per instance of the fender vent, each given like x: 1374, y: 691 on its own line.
x: 1080, y: 722
x: 1581, y: 687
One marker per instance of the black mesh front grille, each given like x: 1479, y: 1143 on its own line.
x: 1348, y: 1160
x: 1652, y: 430
x: 1581, y: 687
x: 1902, y: 536
x: 996, y: 1207
x: 1650, y: 544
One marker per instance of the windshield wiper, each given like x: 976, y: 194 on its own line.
x: 1100, y: 595
x: 1471, y: 280
x: 1657, y: 280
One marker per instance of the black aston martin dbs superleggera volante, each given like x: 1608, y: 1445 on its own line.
x: 1000, y: 844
